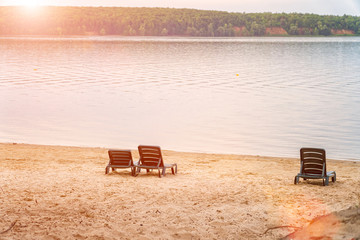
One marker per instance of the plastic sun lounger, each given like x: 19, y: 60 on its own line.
x: 151, y: 158
x: 120, y: 159
x: 313, y: 166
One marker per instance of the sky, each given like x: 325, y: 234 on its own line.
x: 324, y: 7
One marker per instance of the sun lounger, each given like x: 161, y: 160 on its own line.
x: 151, y: 158
x: 313, y: 166
x: 120, y: 159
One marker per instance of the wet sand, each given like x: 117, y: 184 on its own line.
x: 56, y: 192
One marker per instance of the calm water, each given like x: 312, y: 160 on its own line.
x: 259, y: 96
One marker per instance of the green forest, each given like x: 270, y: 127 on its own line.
x: 168, y: 22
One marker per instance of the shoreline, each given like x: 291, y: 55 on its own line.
x: 61, y: 192
x: 30, y: 36
x: 177, y: 151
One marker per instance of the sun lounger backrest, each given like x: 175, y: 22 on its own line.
x: 150, y: 156
x: 120, y: 157
x: 313, y: 161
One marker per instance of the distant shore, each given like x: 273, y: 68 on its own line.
x: 132, y: 21
x: 172, y: 36
x: 62, y: 192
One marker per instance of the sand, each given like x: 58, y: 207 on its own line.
x: 56, y: 192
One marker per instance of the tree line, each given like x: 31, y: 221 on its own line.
x: 167, y: 22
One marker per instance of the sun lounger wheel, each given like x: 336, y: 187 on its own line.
x: 296, y: 180
x: 137, y: 171
x: 174, y: 169
x: 333, y: 179
x: 133, y: 169
x: 326, y: 181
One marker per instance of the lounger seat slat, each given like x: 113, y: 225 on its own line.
x: 123, y: 163
x: 120, y: 157
x: 151, y: 161
x: 154, y: 157
x: 148, y: 151
x: 312, y: 160
x: 115, y: 156
x: 312, y: 155
x: 313, y: 172
x: 313, y: 165
x: 154, y: 164
x: 119, y: 153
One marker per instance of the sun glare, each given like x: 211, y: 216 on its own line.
x: 30, y: 3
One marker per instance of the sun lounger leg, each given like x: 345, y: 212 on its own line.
x: 107, y: 170
x: 326, y: 181
x: 137, y: 171
x: 133, y: 171
x: 333, y: 179
x: 296, y: 180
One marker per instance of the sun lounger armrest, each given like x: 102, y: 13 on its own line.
x: 170, y: 165
x: 173, y: 167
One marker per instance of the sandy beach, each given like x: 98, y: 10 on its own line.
x: 56, y: 192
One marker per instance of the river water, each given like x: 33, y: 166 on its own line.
x: 258, y: 96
